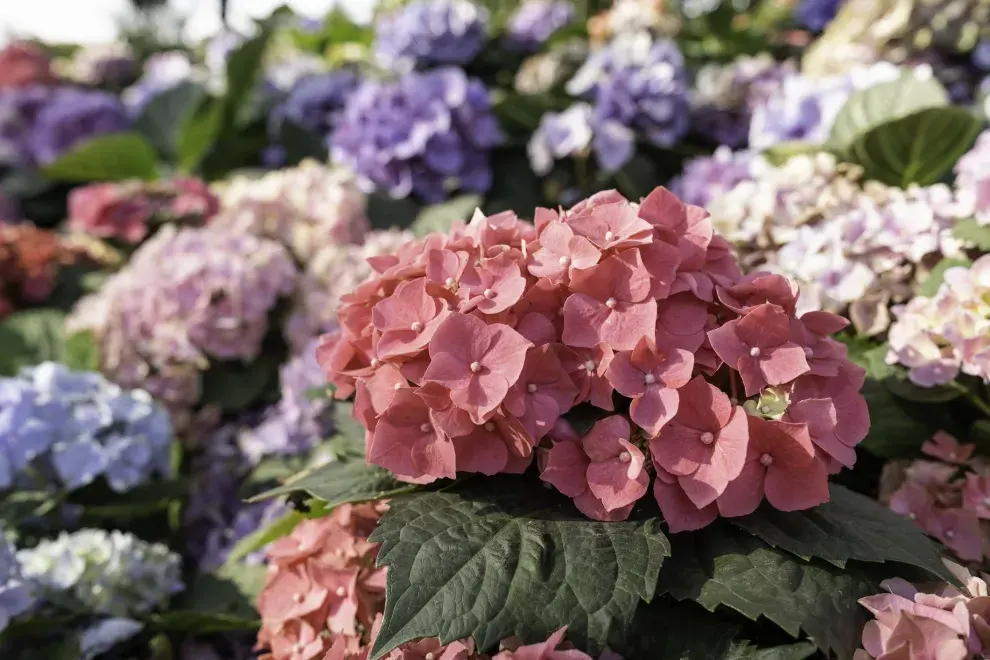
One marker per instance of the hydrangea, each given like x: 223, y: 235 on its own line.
x: 305, y: 208
x: 426, y: 133
x: 560, y: 135
x: 104, y: 65
x: 314, y: 103
x: 535, y: 21
x: 74, y: 427
x: 816, y: 14
x: 188, y: 296
x: 30, y: 261
x: 943, y: 623
x: 467, y: 350
x: 334, y: 271
x: 23, y: 64
x: 70, y: 117
x: 705, y: 178
x: 19, y: 107
x: 937, y: 338
x: 162, y: 72
x: 128, y: 211
x: 16, y: 594
x: 429, y: 32
x: 638, y: 88
x: 93, y: 571
x: 626, y: 17
x: 973, y: 177
x: 725, y: 95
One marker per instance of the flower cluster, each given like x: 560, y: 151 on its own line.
x: 425, y: 133
x: 466, y: 351
x: 638, y: 87
x: 948, y: 497
x: 74, y: 427
x: 724, y: 96
x: 110, y: 65
x: 428, y: 32
x: 129, y: 211
x: 706, y: 178
x: 939, y: 622
x: 331, y: 273
x: 30, y: 261
x: 973, y: 177
x: 305, y: 208
x: 535, y: 21
x: 16, y: 595
x: 314, y: 103
x: 162, y: 72
x: 188, y: 296
x: 937, y: 338
x: 23, y: 64
x: 93, y: 571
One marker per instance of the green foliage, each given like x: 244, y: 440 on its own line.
x: 218, y: 602
x: 198, y: 133
x: 897, y: 426
x: 163, y: 118
x: 745, y: 651
x: 779, y: 154
x: 937, y: 275
x: 539, y: 563
x: 81, y: 352
x: 114, y: 157
x: 439, y: 217
x: 339, y: 482
x: 29, y: 337
x: 235, y: 385
x: 261, y: 537
x: 665, y: 629
x: 300, y: 143
x: 973, y: 232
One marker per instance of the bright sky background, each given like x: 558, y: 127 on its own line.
x: 94, y: 21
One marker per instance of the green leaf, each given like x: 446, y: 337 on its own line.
x: 745, y: 651
x: 340, y: 482
x: 386, y: 212
x: 668, y: 630
x: 217, y: 602
x: 937, y: 274
x: 723, y: 566
x: 849, y: 526
x: 236, y: 385
x: 884, y: 103
x: 244, y: 66
x: 300, y: 143
x: 199, y: 133
x: 897, y: 427
x: 971, y: 231
x: 779, y: 154
x: 903, y: 388
x: 439, y: 217
x: 162, y: 119
x: 507, y: 557
x: 82, y: 352
x: 30, y: 337
x: 259, y: 538
x: 115, y: 157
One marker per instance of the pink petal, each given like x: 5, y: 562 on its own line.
x: 481, y: 451
x: 612, y: 484
x: 506, y: 354
x: 627, y: 324
x: 824, y: 323
x: 590, y: 506
x: 602, y: 442
x: 724, y: 462
x: 661, y: 261
x: 464, y: 337
x: 566, y: 468
x: 624, y: 376
x: 678, y: 449
x: 783, y: 364
x: 703, y: 406
x: 744, y: 493
x: 678, y: 511
x: 727, y: 344
x: 763, y: 326
x: 622, y: 276
x: 584, y: 317
x: 654, y: 408
x: 794, y: 488
x: 449, y: 371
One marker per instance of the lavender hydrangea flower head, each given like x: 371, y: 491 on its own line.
x: 638, y: 87
x: 19, y: 107
x: 816, y: 14
x: 162, y: 72
x: 973, y: 177
x: 188, y: 296
x: 17, y: 595
x: 707, y: 177
x: 425, y: 133
x: 559, y: 135
x: 94, y: 571
x: 75, y: 427
x: 535, y: 21
x: 72, y: 116
x: 430, y: 32
x: 104, y: 65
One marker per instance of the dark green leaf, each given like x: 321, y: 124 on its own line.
x: 115, y: 157
x: 30, y: 337
x: 385, y: 212
x: 503, y: 556
x: 746, y: 651
x: 160, y: 648
x: 300, y: 143
x: 259, y: 538
x: 637, y: 177
x: 980, y: 434
x: 937, y: 274
x: 217, y: 602
x: 971, y: 231
x: 849, y: 526
x: 235, y: 385
x: 199, y: 133
x: 897, y: 427
x: 162, y: 118
x: 439, y: 217
x: 340, y: 482
x: 82, y: 352
x: 668, y: 630
x: 723, y: 566
x: 903, y: 388
x: 243, y: 70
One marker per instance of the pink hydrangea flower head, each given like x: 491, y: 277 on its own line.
x: 780, y: 464
x: 495, y: 285
x: 757, y: 289
x: 822, y: 418
x: 609, y: 304
x: 650, y: 376
x: 661, y: 261
x: 407, y: 442
x: 566, y: 469
x: 683, y: 225
x: 681, y: 322
x: 445, y: 267
x: 559, y: 250
x: 548, y: 650
x: 543, y: 392
x: 407, y: 319
x: 110, y: 210
x: 588, y: 369
x: 976, y: 494
x: 758, y: 346
x: 499, y: 445
x: 611, y: 226
x: 704, y: 446
x: 679, y: 512
x: 946, y: 448
x: 617, y: 474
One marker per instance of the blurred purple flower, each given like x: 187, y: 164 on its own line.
x: 816, y: 14
x: 428, y: 32
x: 707, y: 177
x: 973, y: 177
x: 162, y: 72
x: 559, y: 135
x: 535, y: 21
x: 72, y: 116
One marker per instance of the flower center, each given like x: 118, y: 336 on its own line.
x: 808, y: 352
x: 397, y: 386
x: 298, y: 597
x: 425, y: 428
x: 625, y: 457
x: 589, y: 365
x: 488, y: 293
x: 949, y: 534
x: 531, y: 388
x: 766, y: 460
x: 475, y: 367
x: 449, y: 281
x: 649, y: 379
x: 375, y: 362
x: 754, y: 352
x: 707, y: 438
x: 609, y: 236
x: 765, y: 410
x: 341, y: 591
x: 489, y: 427
x: 429, y: 656
x: 986, y: 501
x: 564, y: 261
x: 611, y: 303
x: 299, y: 647
x: 416, y: 326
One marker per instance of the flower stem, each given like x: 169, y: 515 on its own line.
x: 972, y: 397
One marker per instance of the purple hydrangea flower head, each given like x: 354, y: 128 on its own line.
x: 96, y: 572
x: 981, y: 54
x: 17, y: 595
x: 104, y: 65
x: 973, y: 177
x: 100, y: 637
x: 314, y: 103
x: 816, y: 14
x: 535, y: 21
x: 430, y: 32
x: 162, y: 72
x: 707, y: 177
x: 638, y: 88
x: 19, y: 107
x: 559, y: 135
x: 425, y: 133
x: 72, y: 116
x: 76, y: 427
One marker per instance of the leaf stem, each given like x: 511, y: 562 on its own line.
x: 972, y: 397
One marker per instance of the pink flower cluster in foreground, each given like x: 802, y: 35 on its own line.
x: 127, y: 211
x: 946, y: 624
x: 465, y: 352
x: 323, y: 599
x: 948, y: 498
x: 936, y: 338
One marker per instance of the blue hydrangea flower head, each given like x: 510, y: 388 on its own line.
x: 17, y: 595
x: 816, y: 14
x: 162, y: 72
x: 535, y: 21
x: 94, y: 571
x: 72, y: 116
x: 74, y: 427
x: 430, y: 32
x: 560, y: 135
x: 425, y: 133
x: 19, y: 107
